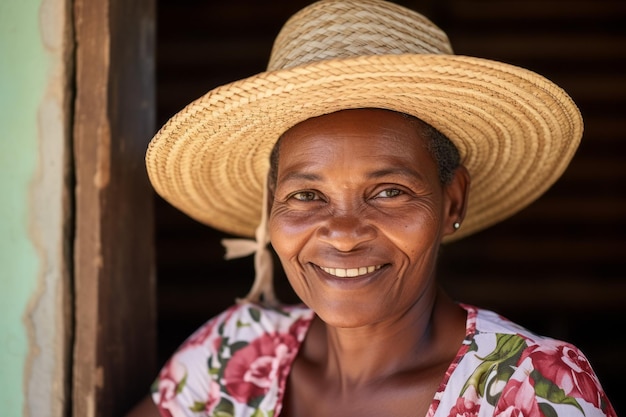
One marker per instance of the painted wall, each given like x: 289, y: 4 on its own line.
x: 34, y: 149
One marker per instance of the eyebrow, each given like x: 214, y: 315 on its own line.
x: 401, y: 171
x: 298, y: 175
x: 381, y: 173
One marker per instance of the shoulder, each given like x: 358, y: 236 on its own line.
x: 248, y: 321
x: 512, y: 370
x: 204, y: 373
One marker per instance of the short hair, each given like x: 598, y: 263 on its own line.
x: 443, y: 151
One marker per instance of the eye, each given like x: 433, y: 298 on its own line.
x: 389, y: 193
x: 305, y: 196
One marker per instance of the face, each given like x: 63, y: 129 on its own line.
x: 358, y: 214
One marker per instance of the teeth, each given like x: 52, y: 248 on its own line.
x: 351, y: 272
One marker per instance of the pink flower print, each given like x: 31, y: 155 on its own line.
x: 172, y: 378
x: 467, y: 405
x: 214, y: 397
x: 518, y: 400
x: 200, y: 335
x: 299, y: 329
x: 567, y: 368
x: 253, y: 369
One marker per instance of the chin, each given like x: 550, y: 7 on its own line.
x: 347, y: 314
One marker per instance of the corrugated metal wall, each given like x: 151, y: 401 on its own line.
x: 557, y: 267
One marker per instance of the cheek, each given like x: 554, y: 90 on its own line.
x: 413, y: 231
x: 288, y: 233
x: 288, y: 237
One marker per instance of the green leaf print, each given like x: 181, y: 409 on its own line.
x: 503, y: 372
x: 545, y: 388
x: 548, y: 410
x: 255, y: 313
x: 224, y: 409
x: 236, y: 346
x: 155, y: 386
x: 268, y: 414
x: 222, y: 348
x: 501, y: 361
x: 216, y: 370
x: 256, y: 402
x: 181, y: 384
x: 241, y: 324
x: 259, y: 413
x: 212, y: 371
x: 507, y: 346
x: 473, y: 346
x: 197, y: 406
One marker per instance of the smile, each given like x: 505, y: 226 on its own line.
x: 350, y: 272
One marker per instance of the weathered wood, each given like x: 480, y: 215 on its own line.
x: 114, y: 355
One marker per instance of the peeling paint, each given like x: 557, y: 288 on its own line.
x: 46, y: 319
x: 22, y: 82
x: 52, y: 24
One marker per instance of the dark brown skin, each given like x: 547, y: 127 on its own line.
x: 316, y: 387
x: 357, y: 189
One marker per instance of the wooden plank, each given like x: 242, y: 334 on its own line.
x: 114, y: 353
x: 519, y: 44
x: 515, y: 295
x: 555, y: 10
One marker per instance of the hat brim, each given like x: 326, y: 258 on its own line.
x: 515, y: 130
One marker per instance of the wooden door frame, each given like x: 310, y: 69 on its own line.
x: 114, y: 354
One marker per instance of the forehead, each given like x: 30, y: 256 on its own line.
x: 369, y: 135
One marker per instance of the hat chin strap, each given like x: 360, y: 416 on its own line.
x: 262, y: 290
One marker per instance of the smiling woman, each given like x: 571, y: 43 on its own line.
x: 363, y: 148
x: 359, y: 190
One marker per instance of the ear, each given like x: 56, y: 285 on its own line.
x: 455, y: 195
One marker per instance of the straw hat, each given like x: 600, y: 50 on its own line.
x: 515, y: 130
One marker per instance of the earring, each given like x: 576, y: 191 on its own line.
x: 456, y: 225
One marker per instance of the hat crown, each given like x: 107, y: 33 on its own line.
x: 335, y: 29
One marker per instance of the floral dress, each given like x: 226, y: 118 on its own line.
x: 238, y: 363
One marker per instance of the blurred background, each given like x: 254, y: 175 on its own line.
x: 556, y: 268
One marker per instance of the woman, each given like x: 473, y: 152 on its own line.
x: 353, y: 155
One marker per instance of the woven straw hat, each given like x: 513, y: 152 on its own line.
x: 515, y: 130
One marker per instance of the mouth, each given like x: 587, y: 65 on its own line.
x: 351, y: 272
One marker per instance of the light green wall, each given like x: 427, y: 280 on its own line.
x: 29, y: 65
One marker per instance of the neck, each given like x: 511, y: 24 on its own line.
x: 413, y: 342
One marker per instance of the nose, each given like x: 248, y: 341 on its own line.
x: 346, y: 231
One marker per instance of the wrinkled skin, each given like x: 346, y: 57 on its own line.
x: 358, y: 189
x: 357, y: 217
